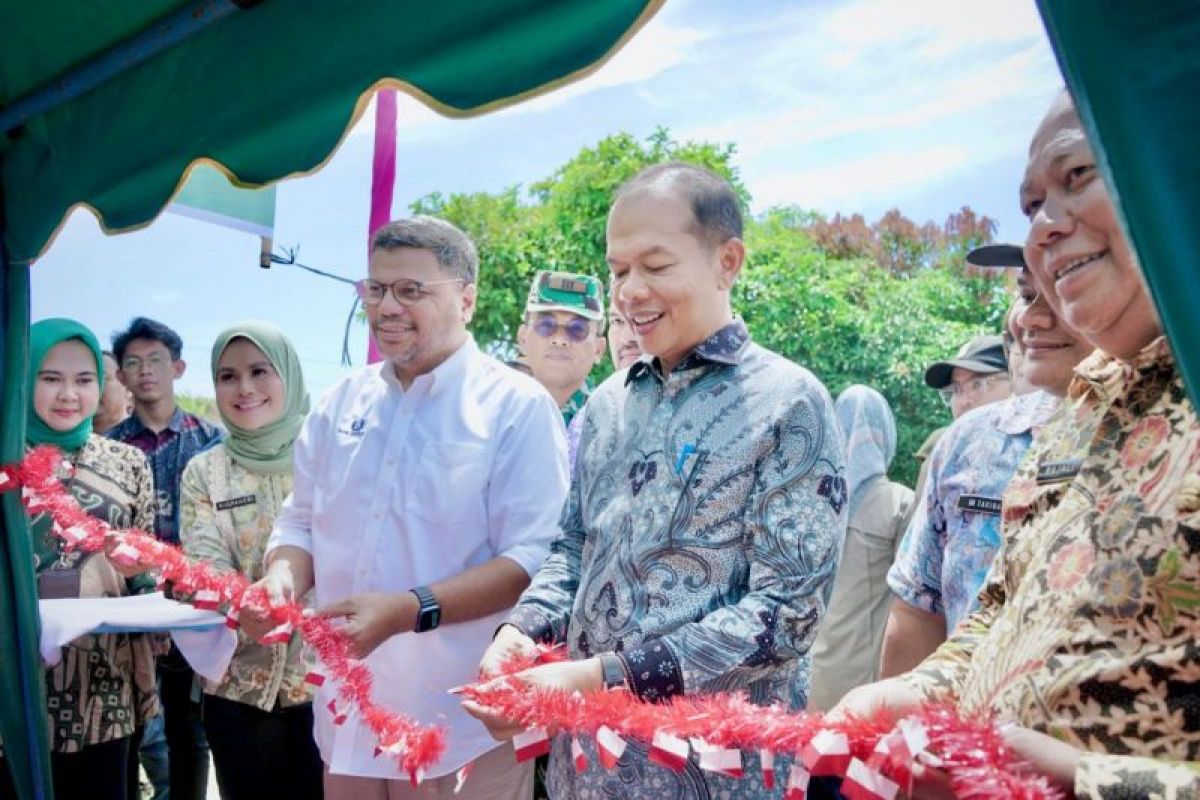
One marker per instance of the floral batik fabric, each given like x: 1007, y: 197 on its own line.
x: 955, y: 531
x: 104, y: 685
x: 226, y: 514
x: 699, y: 543
x: 1089, y: 625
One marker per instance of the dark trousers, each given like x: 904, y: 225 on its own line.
x: 187, y: 749
x: 262, y: 755
x: 97, y: 772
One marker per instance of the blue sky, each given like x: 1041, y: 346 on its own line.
x: 848, y: 106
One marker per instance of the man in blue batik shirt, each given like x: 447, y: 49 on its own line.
x: 955, y: 532
x: 702, y: 531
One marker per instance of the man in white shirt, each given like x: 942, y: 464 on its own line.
x: 427, y: 491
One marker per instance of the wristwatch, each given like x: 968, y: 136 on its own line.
x: 429, y: 615
x: 612, y: 671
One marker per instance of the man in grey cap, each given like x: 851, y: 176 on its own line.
x: 976, y: 376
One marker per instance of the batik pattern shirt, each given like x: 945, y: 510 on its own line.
x: 104, y: 685
x: 226, y: 512
x: 699, y: 543
x: 1089, y: 625
x: 955, y: 532
x: 168, y: 451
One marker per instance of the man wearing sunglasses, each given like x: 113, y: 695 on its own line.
x: 955, y: 532
x: 427, y: 491
x: 562, y: 337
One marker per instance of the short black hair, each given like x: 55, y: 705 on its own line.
x: 453, y: 249
x: 714, y: 202
x: 146, y: 328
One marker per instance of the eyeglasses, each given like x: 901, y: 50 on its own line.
x: 577, y: 330
x: 133, y: 363
x: 969, y: 386
x: 406, y: 292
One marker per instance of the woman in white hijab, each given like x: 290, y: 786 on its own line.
x: 846, y: 652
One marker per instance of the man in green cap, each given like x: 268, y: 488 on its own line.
x: 562, y: 338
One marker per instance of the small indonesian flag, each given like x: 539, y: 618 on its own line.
x: 725, y: 761
x: 8, y: 481
x: 314, y: 678
x: 797, y: 785
x: 864, y: 783
x: 125, y: 554
x: 33, y: 501
x: 668, y: 750
x: 460, y: 777
x: 578, y: 757
x: 828, y: 753
x: 280, y: 634
x: 395, y: 748
x: 767, y: 759
x: 416, y: 777
x: 610, y: 746
x: 531, y: 743
x: 206, y: 600
x: 74, y: 536
x: 231, y: 621
x: 339, y: 716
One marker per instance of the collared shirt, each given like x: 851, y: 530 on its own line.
x: 955, y: 532
x: 699, y: 544
x: 226, y: 512
x: 1089, y: 625
x: 396, y: 488
x: 168, y: 451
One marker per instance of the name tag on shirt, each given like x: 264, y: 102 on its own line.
x: 236, y: 502
x: 980, y: 504
x: 1057, y: 471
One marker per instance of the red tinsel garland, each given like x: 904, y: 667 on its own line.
x: 415, y: 747
x: 875, y: 758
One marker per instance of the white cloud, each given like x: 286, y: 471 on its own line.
x: 844, y: 184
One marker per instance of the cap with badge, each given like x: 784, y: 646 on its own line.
x: 983, y: 355
x: 997, y: 255
x: 567, y: 291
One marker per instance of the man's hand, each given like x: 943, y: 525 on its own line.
x: 570, y: 676
x: 1057, y: 760
x: 509, y: 643
x: 370, y: 619
x: 893, y: 695
x: 277, y: 584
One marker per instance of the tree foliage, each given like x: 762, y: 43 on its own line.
x: 855, y: 302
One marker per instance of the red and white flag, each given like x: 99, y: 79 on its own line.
x: 864, y: 783
x: 314, y: 678
x: 206, y: 600
x: 767, y: 759
x: 610, y: 746
x: 578, y: 757
x: 531, y: 743
x: 280, y: 634
x: 668, y: 750
x: 827, y: 753
x: 725, y: 761
x: 797, y: 785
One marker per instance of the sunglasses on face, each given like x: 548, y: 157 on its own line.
x: 971, y: 386
x: 577, y: 330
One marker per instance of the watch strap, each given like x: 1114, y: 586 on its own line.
x: 429, y: 613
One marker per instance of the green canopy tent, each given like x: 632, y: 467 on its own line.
x: 106, y: 104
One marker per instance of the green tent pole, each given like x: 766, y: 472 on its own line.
x: 22, y: 681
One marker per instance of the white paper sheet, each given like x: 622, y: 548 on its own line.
x: 201, y: 636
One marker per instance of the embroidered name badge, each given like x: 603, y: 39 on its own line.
x: 355, y: 428
x: 980, y: 504
x: 236, y: 502
x: 1057, y: 471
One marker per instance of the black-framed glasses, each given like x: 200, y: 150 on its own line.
x: 970, y: 386
x: 577, y: 330
x: 406, y: 292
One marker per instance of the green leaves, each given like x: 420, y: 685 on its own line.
x: 851, y: 301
